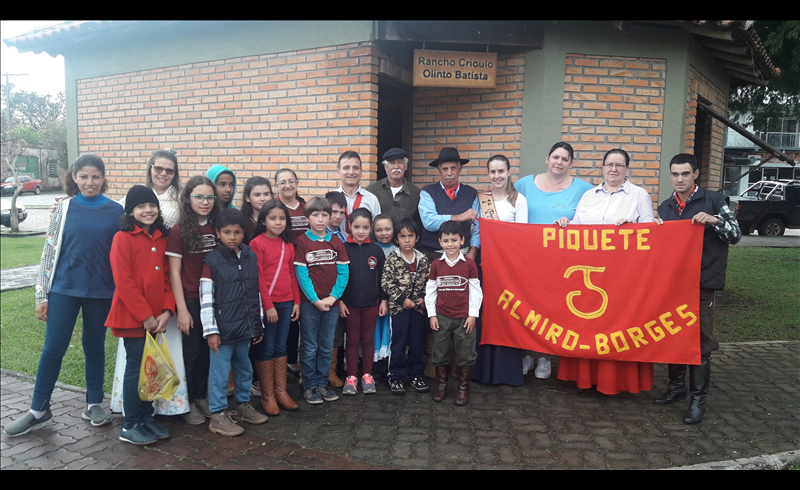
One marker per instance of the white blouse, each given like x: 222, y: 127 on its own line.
x: 512, y: 214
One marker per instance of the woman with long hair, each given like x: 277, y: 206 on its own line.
x: 75, y: 277
x: 497, y: 364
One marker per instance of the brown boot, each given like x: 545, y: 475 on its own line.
x: 442, y: 377
x: 427, y: 349
x: 332, y: 378
x: 281, y: 396
x: 463, y: 386
x: 266, y: 374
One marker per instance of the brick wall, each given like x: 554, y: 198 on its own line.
x: 478, y: 122
x: 615, y: 102
x: 712, y: 158
x: 256, y: 114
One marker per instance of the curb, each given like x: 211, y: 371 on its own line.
x: 777, y: 461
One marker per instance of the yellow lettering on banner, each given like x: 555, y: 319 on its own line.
x: 606, y: 240
x: 574, y: 240
x: 640, y: 239
x: 554, y: 332
x: 619, y: 336
x: 548, y: 234
x: 593, y: 245
x: 637, y: 336
x: 514, y: 309
x: 586, y: 280
x: 668, y: 324
x: 625, y: 233
x: 601, y: 341
x: 688, y: 314
x: 532, y: 317
x: 505, y: 298
x: 544, y: 324
x: 570, y: 336
x: 590, y: 239
x: 659, y: 333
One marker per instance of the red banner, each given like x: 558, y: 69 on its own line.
x: 628, y: 293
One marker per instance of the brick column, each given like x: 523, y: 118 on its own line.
x: 615, y: 102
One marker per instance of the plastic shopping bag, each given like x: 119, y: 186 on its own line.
x: 158, y: 377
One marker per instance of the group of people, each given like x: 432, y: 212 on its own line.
x: 392, y: 268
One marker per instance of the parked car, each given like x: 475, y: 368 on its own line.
x: 769, y: 206
x: 5, y: 214
x: 28, y: 185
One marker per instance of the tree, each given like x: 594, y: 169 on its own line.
x: 29, y: 120
x: 781, y: 97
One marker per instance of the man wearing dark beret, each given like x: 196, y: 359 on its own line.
x: 399, y: 198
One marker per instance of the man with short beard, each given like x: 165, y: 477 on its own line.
x: 399, y: 198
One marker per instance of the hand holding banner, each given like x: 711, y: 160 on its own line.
x: 628, y: 293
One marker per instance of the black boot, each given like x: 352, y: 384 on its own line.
x: 676, y: 391
x: 698, y: 387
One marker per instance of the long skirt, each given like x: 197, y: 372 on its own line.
x: 610, y: 377
x: 497, y: 364
x: 176, y: 405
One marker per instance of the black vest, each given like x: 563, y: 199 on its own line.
x: 236, y: 299
x: 464, y: 199
x: 714, y: 263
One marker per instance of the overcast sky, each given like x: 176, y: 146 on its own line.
x: 45, y: 73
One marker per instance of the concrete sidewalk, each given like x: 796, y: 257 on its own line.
x: 753, y: 411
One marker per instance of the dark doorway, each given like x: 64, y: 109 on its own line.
x: 702, y: 143
x: 394, y: 120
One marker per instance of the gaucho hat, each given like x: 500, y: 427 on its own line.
x: 448, y: 154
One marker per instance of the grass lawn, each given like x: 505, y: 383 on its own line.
x: 22, y: 338
x: 17, y: 252
x: 761, y: 300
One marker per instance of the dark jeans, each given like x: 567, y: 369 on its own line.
x: 195, y: 355
x: 62, y: 313
x: 275, y: 334
x: 408, y: 328
x: 708, y: 342
x: 136, y: 410
x: 292, y: 342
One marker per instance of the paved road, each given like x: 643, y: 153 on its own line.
x: 753, y: 411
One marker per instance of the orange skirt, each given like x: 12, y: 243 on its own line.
x: 610, y: 377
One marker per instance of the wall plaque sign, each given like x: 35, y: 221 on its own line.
x: 454, y: 69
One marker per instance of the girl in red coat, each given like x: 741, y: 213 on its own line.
x: 143, y: 302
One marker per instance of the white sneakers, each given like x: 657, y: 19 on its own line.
x: 543, y: 369
x: 527, y: 364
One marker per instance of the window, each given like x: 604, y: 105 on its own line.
x: 781, y: 132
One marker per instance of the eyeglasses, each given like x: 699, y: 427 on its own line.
x: 286, y: 182
x: 614, y: 165
x: 201, y: 199
x: 168, y: 171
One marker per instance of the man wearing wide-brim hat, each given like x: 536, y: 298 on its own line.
x: 444, y: 201
x: 448, y: 200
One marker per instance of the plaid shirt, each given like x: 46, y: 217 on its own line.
x: 727, y: 228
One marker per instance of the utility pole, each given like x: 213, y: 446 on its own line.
x: 8, y: 92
